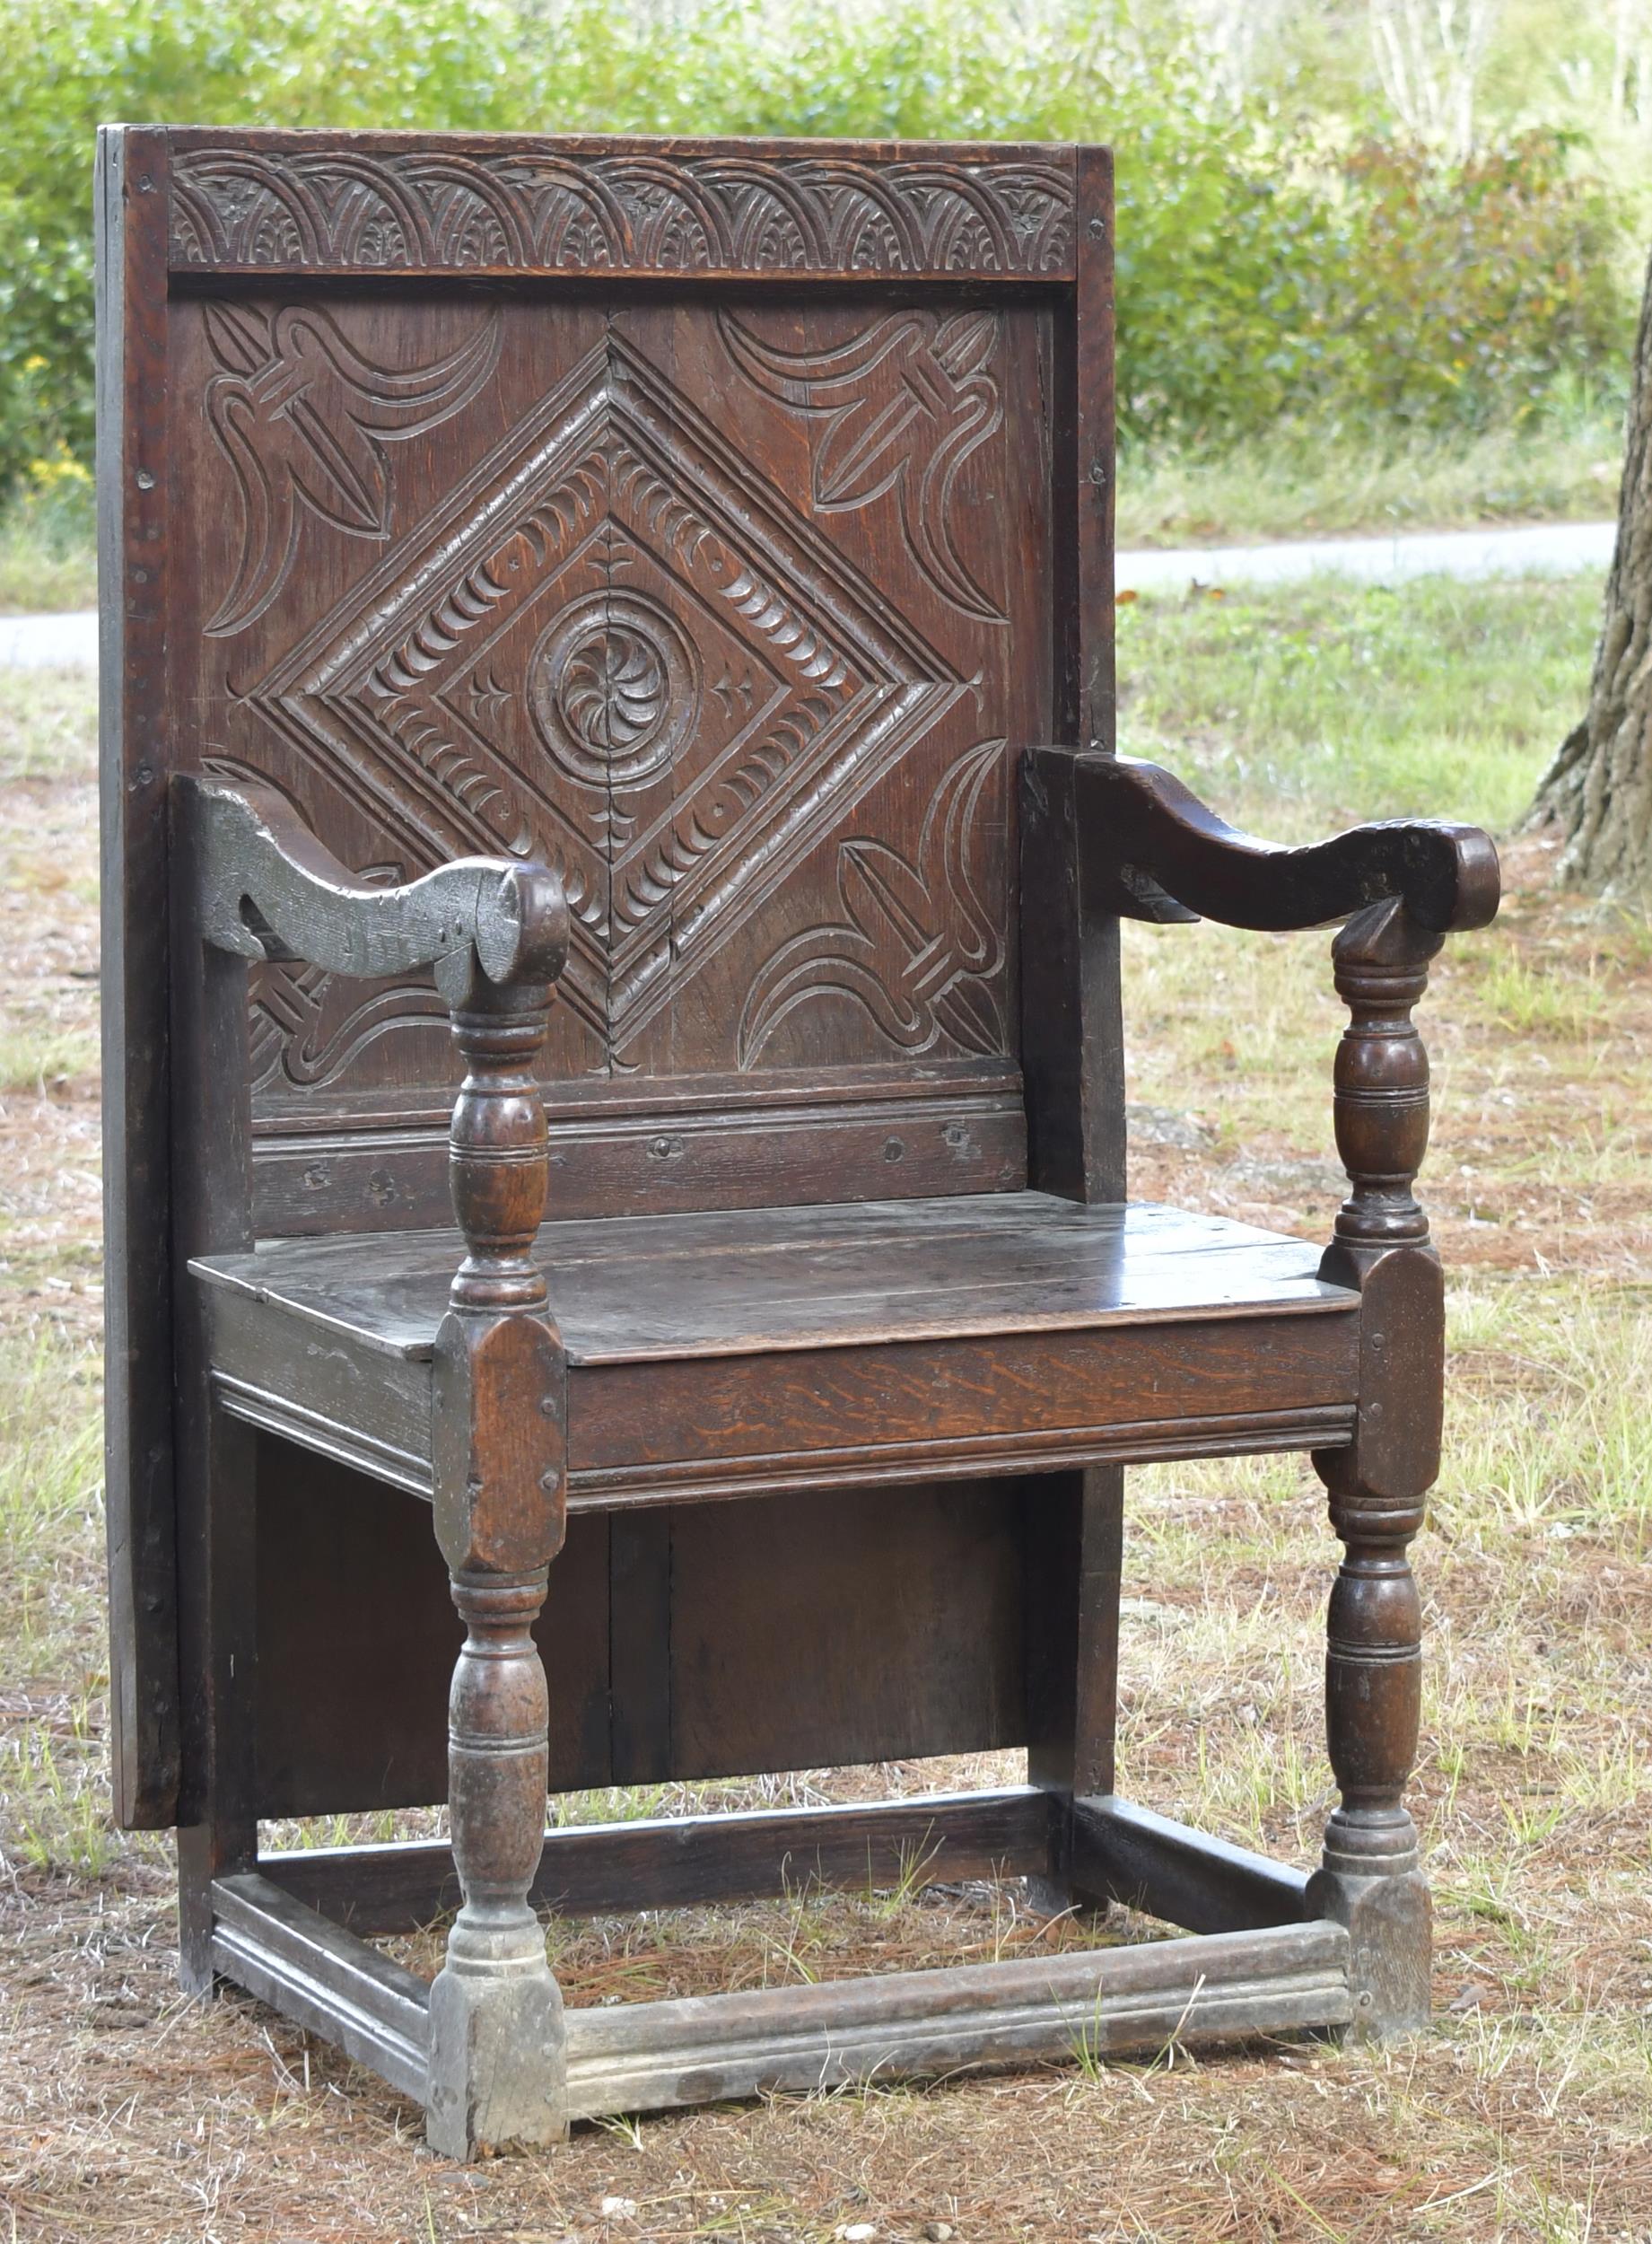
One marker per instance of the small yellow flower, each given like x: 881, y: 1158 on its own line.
x: 48, y: 475
x: 33, y: 363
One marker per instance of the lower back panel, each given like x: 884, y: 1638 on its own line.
x: 722, y: 1640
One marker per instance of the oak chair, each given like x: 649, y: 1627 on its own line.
x: 594, y: 615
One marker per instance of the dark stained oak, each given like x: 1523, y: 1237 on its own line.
x: 1370, y: 1877
x: 1184, y: 1877
x: 730, y: 606
x: 619, y: 1225
x: 684, y: 1861
x: 275, y: 890
x: 754, y: 703
x: 741, y: 1282
x: 1400, y: 888
x: 140, y: 1499
x: 1073, y: 1052
x: 385, y: 204
x: 1128, y: 2000
x: 216, y: 1555
x: 499, y: 1423
x: 323, y: 1978
x: 1164, y: 846
x: 755, y: 1350
x: 1097, y: 2002
x: 801, y: 1628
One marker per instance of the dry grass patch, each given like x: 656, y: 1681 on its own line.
x: 50, y: 1189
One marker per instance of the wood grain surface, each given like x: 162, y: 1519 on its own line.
x: 737, y: 1282
x: 753, y: 1350
x: 757, y: 702
x: 683, y: 1861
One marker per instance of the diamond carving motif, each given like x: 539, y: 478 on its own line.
x: 616, y: 646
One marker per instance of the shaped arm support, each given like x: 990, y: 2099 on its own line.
x: 497, y: 934
x: 1169, y: 857
x: 1399, y: 888
x: 1153, y: 851
x: 274, y: 890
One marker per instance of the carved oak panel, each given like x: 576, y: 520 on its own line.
x: 720, y: 519
x: 736, y: 613
x: 384, y: 204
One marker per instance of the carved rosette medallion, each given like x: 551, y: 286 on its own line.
x: 613, y: 687
x: 616, y: 646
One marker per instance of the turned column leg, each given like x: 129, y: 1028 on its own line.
x: 497, y: 2067
x: 1371, y: 1879
x: 496, y: 2058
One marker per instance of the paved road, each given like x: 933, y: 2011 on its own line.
x: 49, y: 642
x: 1549, y: 548
x: 1546, y: 550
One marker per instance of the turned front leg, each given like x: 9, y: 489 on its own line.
x: 1371, y: 1878
x: 497, y: 2063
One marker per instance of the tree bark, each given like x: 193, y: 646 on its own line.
x: 1598, y: 790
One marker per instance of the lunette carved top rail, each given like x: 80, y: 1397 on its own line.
x: 320, y: 203
x: 274, y: 890
x: 1171, y: 858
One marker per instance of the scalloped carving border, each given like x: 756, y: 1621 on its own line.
x: 636, y: 210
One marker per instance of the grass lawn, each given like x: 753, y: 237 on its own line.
x: 48, y: 559
x: 1526, y: 2111
x: 1322, y: 486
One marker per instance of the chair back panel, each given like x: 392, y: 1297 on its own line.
x: 718, y: 521
x: 731, y: 599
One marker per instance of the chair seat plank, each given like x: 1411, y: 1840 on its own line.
x: 759, y: 1280
x: 753, y: 1351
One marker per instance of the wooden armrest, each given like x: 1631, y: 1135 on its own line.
x: 1168, y: 857
x: 273, y: 890
x: 496, y: 932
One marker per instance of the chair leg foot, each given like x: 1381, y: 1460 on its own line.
x: 205, y: 1852
x: 1390, y: 1947
x: 195, y: 1912
x: 498, y: 2047
x: 1053, y: 1897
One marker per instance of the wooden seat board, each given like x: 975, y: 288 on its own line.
x: 756, y: 1281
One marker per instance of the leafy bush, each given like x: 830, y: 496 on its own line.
x: 1476, y: 292
x: 1262, y: 274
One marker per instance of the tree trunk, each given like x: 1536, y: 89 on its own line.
x: 1598, y: 790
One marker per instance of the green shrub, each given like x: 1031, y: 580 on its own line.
x: 1475, y: 291
x: 1263, y: 273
